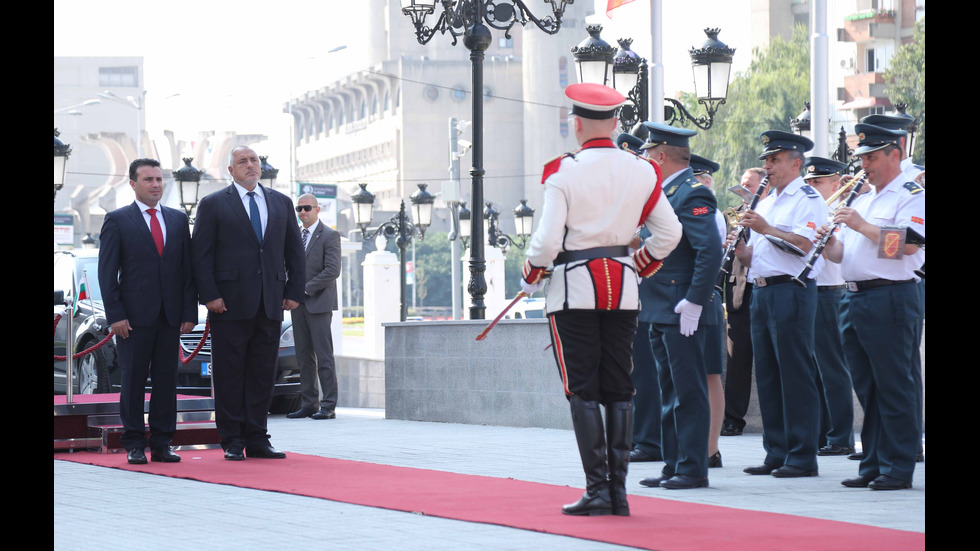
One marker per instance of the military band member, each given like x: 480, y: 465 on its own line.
x: 881, y: 308
x: 833, y: 377
x: 684, y: 314
x: 594, y: 200
x: 715, y: 344
x: 783, y: 313
x: 646, y: 400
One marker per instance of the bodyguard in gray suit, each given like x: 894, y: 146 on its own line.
x: 311, y: 320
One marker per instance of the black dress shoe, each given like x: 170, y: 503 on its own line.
x: 920, y: 457
x: 265, y: 452
x: 714, y: 462
x: 593, y: 504
x: 684, y: 482
x: 789, y: 471
x: 654, y: 481
x: 761, y: 469
x: 858, y: 482
x: 164, y: 455
x: 730, y: 429
x: 834, y: 449
x: 234, y: 454
x: 638, y: 456
x: 136, y: 457
x: 324, y: 414
x: 884, y: 482
x: 300, y: 413
x: 856, y: 456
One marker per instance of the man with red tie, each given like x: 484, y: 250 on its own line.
x: 149, y: 297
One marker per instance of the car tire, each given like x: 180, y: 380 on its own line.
x: 91, y: 371
x: 285, y: 403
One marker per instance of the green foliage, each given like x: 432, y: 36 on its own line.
x: 765, y: 97
x: 906, y: 78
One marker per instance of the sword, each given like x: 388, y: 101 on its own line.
x: 500, y: 316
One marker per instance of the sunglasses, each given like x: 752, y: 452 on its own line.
x: 304, y: 208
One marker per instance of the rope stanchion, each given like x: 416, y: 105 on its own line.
x: 100, y: 344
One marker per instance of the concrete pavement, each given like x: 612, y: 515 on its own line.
x: 102, y: 508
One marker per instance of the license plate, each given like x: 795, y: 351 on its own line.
x: 205, y: 369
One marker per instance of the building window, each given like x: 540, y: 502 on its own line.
x: 119, y: 77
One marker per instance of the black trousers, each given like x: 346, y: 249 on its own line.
x: 148, y: 351
x: 245, y: 355
x: 738, y: 359
x: 594, y: 353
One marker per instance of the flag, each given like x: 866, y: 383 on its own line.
x: 82, y: 292
x: 613, y: 4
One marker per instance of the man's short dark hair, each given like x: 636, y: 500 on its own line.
x: 135, y: 166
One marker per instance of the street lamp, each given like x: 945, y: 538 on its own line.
x: 523, y: 219
x: 188, y: 182
x: 712, y: 64
x: 136, y: 104
x: 600, y: 63
x: 61, y: 153
x: 471, y: 19
x: 268, y: 177
x: 398, y: 225
x: 801, y: 124
x: 464, y: 214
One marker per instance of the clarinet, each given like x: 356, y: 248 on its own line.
x: 728, y: 260
x: 818, y: 249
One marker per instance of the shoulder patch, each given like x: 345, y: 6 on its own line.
x: 810, y: 192
x: 913, y: 187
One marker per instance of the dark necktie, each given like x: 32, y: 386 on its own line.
x: 253, y: 213
x: 155, y: 230
x: 306, y: 237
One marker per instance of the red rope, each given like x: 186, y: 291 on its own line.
x: 100, y: 344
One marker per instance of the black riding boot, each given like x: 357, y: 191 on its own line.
x: 619, y: 435
x: 587, y: 422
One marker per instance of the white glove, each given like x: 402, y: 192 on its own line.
x: 530, y: 288
x: 690, y: 314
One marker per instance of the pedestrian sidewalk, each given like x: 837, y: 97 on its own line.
x: 100, y: 508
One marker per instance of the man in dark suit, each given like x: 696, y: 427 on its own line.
x: 248, y: 266
x: 311, y: 320
x: 682, y: 300
x: 149, y: 298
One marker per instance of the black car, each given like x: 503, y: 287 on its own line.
x: 76, y: 279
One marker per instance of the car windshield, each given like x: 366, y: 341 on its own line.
x: 88, y: 275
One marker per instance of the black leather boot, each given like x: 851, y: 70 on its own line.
x: 619, y: 437
x: 587, y: 423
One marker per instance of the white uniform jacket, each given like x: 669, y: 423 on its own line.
x: 595, y: 197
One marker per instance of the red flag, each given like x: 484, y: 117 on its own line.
x: 613, y: 4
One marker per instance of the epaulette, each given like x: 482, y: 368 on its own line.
x: 913, y: 187
x: 810, y: 192
x: 553, y: 165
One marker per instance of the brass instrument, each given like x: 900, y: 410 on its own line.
x: 844, y: 189
x: 728, y: 259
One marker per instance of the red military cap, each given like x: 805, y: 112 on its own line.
x: 594, y: 101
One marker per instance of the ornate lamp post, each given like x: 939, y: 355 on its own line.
x: 597, y: 61
x: 472, y: 20
x: 61, y: 153
x: 801, y: 124
x: 188, y: 181
x: 523, y: 220
x: 398, y: 225
x: 712, y: 64
x: 268, y: 177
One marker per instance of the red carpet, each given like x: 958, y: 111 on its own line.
x: 517, y: 504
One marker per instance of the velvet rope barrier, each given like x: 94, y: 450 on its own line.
x: 180, y: 352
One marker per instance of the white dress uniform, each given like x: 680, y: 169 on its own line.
x: 594, y: 199
x: 798, y: 209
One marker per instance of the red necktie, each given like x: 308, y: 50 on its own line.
x: 155, y: 230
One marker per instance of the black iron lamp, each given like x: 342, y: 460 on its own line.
x: 801, y: 124
x: 712, y: 64
x: 61, y: 153
x: 594, y: 57
x: 268, y: 177
x: 188, y: 181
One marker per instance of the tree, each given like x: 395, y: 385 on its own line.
x: 906, y: 78
x: 766, y: 97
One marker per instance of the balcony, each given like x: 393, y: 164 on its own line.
x: 867, y: 25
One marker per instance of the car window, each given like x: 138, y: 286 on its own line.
x: 63, y: 279
x: 88, y: 274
